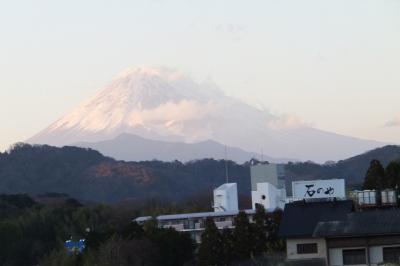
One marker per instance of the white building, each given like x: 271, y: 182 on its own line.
x: 226, y: 198
x: 268, y: 185
x: 269, y: 196
x: 194, y: 223
x: 225, y: 211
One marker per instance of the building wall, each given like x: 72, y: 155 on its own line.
x: 336, y: 256
x: 375, y: 255
x: 226, y: 198
x: 195, y: 227
x: 291, y: 248
x: 362, y: 242
x: 268, y: 196
x: 262, y: 173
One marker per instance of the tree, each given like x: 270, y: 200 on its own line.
x: 59, y: 258
x: 392, y: 174
x: 227, y: 246
x: 275, y: 243
x: 243, y: 244
x: 126, y: 253
x: 259, y: 230
x: 175, y: 248
x: 375, y: 176
x: 131, y: 231
x: 210, y: 250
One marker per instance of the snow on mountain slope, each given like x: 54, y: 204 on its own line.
x: 162, y: 104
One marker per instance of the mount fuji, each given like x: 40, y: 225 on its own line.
x: 161, y: 104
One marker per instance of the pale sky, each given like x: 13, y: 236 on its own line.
x: 333, y: 64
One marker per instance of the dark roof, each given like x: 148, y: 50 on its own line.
x: 300, y: 218
x: 366, y: 223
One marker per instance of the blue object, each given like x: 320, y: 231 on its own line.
x: 75, y: 247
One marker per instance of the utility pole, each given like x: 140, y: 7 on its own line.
x: 226, y: 166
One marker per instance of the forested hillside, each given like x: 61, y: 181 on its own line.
x: 353, y: 170
x: 87, y: 175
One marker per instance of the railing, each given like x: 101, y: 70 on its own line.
x: 223, y: 224
x: 177, y: 227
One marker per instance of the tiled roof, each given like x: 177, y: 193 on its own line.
x: 300, y: 218
x: 366, y: 223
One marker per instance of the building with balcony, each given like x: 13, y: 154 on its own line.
x: 194, y: 223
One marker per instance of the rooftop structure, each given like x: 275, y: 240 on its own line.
x: 226, y: 198
x: 268, y: 185
x: 267, y: 173
x: 268, y: 196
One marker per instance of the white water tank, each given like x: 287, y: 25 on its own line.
x: 388, y: 197
x: 365, y: 197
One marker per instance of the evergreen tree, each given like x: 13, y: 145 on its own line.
x: 210, y: 250
x: 375, y: 176
x: 227, y: 246
x: 243, y: 244
x: 274, y: 242
x: 259, y: 230
x: 175, y: 248
x: 392, y: 174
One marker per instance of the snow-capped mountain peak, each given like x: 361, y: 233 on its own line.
x: 164, y: 104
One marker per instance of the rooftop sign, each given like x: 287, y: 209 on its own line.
x: 317, y: 189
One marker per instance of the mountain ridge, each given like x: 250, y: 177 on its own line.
x: 129, y: 147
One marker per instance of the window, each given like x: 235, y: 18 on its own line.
x: 391, y: 254
x: 308, y: 248
x: 263, y: 197
x: 354, y: 256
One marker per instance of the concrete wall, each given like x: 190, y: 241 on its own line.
x: 226, y: 198
x: 375, y: 255
x: 269, y: 196
x: 336, y: 256
x: 291, y: 248
x: 262, y: 173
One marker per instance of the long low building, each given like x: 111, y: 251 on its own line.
x: 194, y: 223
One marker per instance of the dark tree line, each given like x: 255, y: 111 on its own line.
x: 378, y: 177
x: 33, y: 233
x: 246, y: 241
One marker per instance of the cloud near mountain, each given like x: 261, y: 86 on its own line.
x: 395, y: 122
x: 165, y: 105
